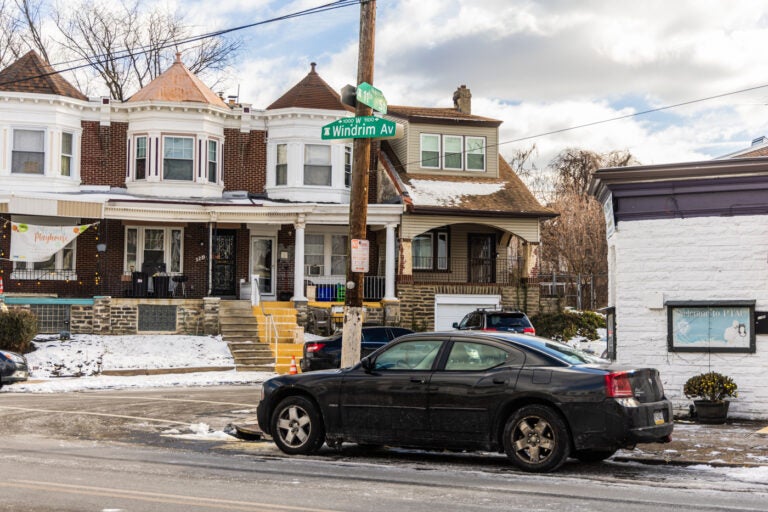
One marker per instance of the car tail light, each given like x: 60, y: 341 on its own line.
x: 617, y: 385
x: 314, y: 347
x: 529, y: 330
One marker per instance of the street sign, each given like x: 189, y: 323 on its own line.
x: 371, y: 96
x: 363, y: 127
x: 360, y: 255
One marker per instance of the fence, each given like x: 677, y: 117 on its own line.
x: 504, y: 271
x: 333, y: 289
x: 580, y: 291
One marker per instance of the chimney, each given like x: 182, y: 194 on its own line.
x: 462, y: 100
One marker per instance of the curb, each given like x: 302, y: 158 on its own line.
x: 663, y: 462
x: 159, y: 371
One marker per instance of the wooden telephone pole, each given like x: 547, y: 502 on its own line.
x: 358, y: 203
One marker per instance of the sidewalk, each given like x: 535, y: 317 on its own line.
x: 736, y: 443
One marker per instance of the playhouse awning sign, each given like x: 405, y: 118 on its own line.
x: 38, y: 243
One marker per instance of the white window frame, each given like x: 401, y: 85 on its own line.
x: 281, y: 165
x: 69, y: 157
x: 437, y: 151
x: 468, y: 153
x: 136, y: 157
x: 348, y: 166
x: 314, y: 268
x: 168, y: 141
x: 212, y: 164
x: 446, y: 153
x: 168, y: 244
x: 42, y: 151
x: 316, y: 165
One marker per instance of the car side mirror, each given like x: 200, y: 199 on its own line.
x: 367, y: 364
x: 455, y: 325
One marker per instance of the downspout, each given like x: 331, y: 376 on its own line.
x: 210, y: 256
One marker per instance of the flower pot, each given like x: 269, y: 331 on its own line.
x: 711, y: 413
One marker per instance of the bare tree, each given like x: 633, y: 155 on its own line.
x: 575, y: 242
x: 125, y: 44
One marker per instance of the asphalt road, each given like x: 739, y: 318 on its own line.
x: 135, y: 451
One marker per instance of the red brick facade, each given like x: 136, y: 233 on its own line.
x: 103, y: 154
x: 245, y: 160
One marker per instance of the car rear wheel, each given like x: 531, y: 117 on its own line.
x: 297, y: 427
x: 593, y: 455
x: 536, y: 439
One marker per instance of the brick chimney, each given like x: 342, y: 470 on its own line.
x: 462, y: 100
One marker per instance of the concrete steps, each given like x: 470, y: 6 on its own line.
x: 253, y: 341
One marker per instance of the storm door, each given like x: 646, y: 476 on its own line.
x: 482, y: 256
x: 262, y: 264
x: 224, y: 260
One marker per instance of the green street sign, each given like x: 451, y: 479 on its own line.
x: 364, y: 127
x: 371, y: 96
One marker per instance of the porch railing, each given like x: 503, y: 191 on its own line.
x: 334, y: 289
x: 498, y: 270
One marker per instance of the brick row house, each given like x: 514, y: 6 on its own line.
x: 183, y: 197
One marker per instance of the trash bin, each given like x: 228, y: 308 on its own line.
x: 161, y: 284
x: 139, y: 284
x: 325, y: 292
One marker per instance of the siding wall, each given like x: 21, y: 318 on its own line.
x: 705, y: 258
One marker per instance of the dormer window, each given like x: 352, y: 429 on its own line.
x: 452, y: 152
x: 28, y: 152
x: 141, y: 158
x: 453, y: 149
x: 475, y: 153
x: 430, y: 151
x: 178, y: 158
x: 317, y: 165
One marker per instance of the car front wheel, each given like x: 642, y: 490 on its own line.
x: 536, y: 439
x: 297, y: 427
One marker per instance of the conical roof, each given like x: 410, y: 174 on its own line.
x: 310, y: 92
x: 177, y: 84
x: 32, y: 74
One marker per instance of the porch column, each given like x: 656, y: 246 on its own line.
x: 298, y: 261
x: 389, y: 274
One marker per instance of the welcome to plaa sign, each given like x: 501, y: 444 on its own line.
x: 363, y: 127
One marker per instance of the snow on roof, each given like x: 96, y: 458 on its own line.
x: 448, y: 193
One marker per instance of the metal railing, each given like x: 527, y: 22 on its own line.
x: 467, y: 270
x: 334, y: 289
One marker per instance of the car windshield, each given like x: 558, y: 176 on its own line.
x: 562, y: 351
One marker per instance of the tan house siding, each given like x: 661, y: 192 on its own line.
x: 527, y: 229
x: 408, y: 149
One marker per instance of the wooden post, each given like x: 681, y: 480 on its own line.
x: 358, y: 203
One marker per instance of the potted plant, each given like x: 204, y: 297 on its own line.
x: 709, y: 391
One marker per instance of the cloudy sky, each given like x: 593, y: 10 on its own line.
x: 540, y: 66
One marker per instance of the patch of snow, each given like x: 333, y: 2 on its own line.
x: 448, y: 193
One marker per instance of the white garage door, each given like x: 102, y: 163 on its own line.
x: 452, y: 308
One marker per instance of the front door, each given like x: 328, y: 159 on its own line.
x: 482, y: 256
x: 262, y: 265
x: 224, y: 269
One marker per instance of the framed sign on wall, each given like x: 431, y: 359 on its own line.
x: 711, y: 326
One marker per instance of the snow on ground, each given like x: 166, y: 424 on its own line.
x: 77, y: 364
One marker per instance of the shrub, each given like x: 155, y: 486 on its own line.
x: 18, y: 327
x: 710, y: 386
x: 564, y: 325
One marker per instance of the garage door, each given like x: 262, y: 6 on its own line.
x: 452, y: 308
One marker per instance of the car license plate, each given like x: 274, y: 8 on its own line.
x: 658, y: 417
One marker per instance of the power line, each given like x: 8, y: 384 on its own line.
x: 124, y: 53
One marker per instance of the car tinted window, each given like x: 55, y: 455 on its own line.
x: 507, y: 321
x: 466, y: 355
x: 375, y: 334
x: 409, y: 355
x: 564, y: 352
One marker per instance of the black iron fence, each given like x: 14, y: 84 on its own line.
x: 334, y: 289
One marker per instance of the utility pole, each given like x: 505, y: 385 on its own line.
x: 358, y: 203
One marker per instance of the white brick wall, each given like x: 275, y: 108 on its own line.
x: 705, y: 258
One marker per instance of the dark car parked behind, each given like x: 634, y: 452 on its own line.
x: 325, y: 353
x: 13, y: 367
x: 537, y: 400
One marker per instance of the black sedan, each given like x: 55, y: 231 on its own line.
x: 536, y: 400
x: 13, y: 367
x: 325, y: 353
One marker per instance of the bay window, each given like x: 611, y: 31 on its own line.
x: 28, y: 153
x: 178, y: 156
x: 317, y: 165
x: 66, y: 154
x: 281, y: 165
x: 213, y: 160
x: 141, y: 158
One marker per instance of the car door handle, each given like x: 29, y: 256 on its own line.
x: 418, y: 380
x: 499, y: 381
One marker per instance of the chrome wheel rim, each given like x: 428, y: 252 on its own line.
x: 294, y: 426
x: 534, y: 440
